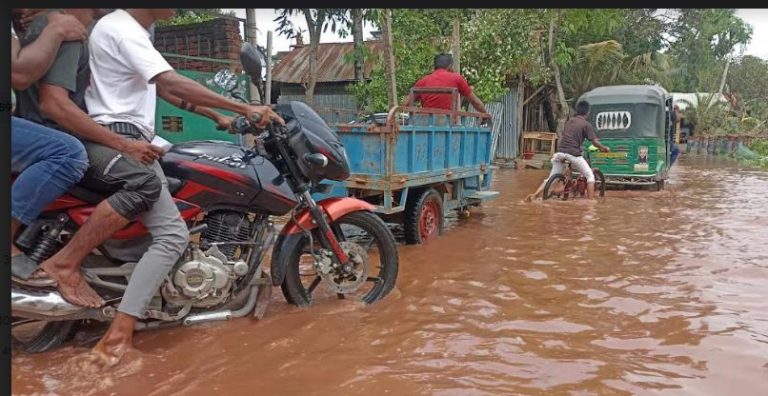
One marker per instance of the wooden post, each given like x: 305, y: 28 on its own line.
x: 268, y: 86
x: 250, y: 32
x: 389, y: 58
x: 456, y: 45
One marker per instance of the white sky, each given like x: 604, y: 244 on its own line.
x: 264, y: 22
x: 756, y: 17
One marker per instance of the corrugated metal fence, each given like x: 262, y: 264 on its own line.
x: 504, y: 113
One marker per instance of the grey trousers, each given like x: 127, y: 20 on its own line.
x: 170, y: 237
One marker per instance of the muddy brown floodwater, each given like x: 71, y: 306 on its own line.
x: 643, y: 293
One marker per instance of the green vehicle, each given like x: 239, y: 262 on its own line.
x: 635, y: 122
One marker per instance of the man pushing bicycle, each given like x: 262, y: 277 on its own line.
x: 576, y: 130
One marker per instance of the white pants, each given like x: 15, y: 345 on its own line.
x: 579, y: 164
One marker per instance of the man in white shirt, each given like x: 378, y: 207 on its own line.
x: 127, y: 74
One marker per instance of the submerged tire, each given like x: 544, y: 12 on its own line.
x: 293, y: 288
x: 423, y: 218
x: 550, y: 183
x: 49, y: 336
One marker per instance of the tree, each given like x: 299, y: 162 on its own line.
x: 748, y: 80
x: 606, y: 63
x: 357, y: 39
x: 417, y: 36
x: 704, y: 40
x: 185, y: 16
x: 318, y: 21
x: 500, y: 45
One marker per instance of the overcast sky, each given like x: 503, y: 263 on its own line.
x: 758, y: 18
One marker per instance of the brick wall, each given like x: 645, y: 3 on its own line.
x: 217, y: 39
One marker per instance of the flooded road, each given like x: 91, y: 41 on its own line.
x: 642, y: 293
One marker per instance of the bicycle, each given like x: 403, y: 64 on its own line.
x: 570, y: 185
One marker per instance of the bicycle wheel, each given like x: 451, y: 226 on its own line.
x: 556, y: 187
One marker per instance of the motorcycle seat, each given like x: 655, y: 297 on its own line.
x: 90, y: 196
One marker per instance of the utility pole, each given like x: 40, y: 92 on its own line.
x: 250, y: 36
x: 456, y: 45
x: 389, y: 58
x: 268, y: 85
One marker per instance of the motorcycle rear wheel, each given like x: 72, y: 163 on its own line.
x: 38, y: 336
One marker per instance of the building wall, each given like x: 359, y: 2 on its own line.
x: 217, y: 39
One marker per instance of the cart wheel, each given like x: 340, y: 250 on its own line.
x: 659, y: 185
x: 423, y: 220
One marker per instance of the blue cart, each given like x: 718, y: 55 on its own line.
x: 417, y: 165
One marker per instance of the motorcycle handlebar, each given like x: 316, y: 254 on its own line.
x: 241, y: 125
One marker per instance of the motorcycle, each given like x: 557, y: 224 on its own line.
x: 228, y: 195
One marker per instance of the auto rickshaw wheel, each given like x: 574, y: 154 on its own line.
x: 423, y: 218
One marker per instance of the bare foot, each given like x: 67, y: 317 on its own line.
x: 72, y: 285
x: 118, y: 340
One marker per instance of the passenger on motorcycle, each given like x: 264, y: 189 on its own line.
x: 127, y: 74
x: 57, y: 101
x: 47, y: 161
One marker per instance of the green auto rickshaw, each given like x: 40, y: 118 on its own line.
x: 635, y: 122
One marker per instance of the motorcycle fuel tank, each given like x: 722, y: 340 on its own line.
x: 213, y: 174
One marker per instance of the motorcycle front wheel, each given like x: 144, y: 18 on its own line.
x: 372, y: 248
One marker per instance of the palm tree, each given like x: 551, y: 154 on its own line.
x: 605, y: 63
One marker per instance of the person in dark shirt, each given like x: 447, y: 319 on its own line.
x: 576, y: 130
x: 674, y: 148
x: 444, y: 77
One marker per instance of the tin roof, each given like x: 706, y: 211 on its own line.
x: 293, y: 68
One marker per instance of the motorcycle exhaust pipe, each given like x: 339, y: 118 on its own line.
x: 50, y: 305
x: 226, y: 314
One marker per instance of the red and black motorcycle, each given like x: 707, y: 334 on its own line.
x: 228, y: 196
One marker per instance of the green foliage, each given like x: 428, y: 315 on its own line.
x: 186, y: 16
x: 491, y: 50
x: 748, y: 79
x: 760, y: 146
x: 703, y: 40
x: 417, y: 36
x: 500, y: 44
x: 318, y: 20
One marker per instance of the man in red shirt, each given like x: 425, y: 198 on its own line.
x: 444, y: 77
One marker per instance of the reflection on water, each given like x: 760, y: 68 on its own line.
x: 640, y: 293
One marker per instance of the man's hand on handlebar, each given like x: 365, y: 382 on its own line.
x: 605, y: 149
x: 263, y: 116
x: 224, y: 123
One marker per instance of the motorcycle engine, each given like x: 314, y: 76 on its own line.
x: 205, y: 279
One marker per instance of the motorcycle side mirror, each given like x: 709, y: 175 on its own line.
x: 252, y: 61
